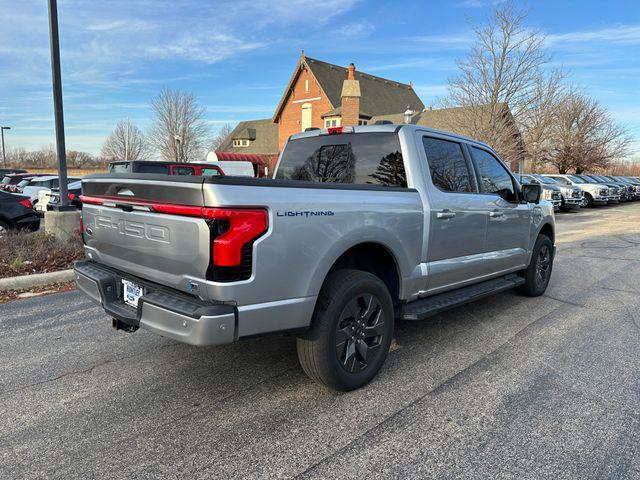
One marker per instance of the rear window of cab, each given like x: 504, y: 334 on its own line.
x: 354, y: 158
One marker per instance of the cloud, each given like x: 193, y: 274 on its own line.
x: 622, y: 34
x: 125, y: 24
x: 454, y: 39
x: 408, y: 63
x: 479, y: 3
x: 355, y: 29
x: 203, y: 47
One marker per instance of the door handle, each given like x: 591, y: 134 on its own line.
x: 444, y: 214
x: 496, y: 214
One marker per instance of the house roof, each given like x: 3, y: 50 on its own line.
x: 338, y: 111
x: 379, y: 96
x: 447, y: 119
x: 262, y: 133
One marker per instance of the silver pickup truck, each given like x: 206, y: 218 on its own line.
x: 361, y: 226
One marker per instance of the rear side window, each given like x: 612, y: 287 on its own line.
x: 211, y: 171
x: 361, y: 158
x: 449, y: 169
x: 494, y: 178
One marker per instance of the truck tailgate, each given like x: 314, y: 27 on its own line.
x: 168, y: 249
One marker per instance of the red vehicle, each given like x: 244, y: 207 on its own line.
x: 166, y: 168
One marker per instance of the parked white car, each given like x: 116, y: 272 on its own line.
x: 33, y: 187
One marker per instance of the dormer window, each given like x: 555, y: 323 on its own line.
x: 240, y: 142
x: 332, y: 122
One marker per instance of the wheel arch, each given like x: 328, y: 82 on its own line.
x: 548, y: 230
x: 359, y: 257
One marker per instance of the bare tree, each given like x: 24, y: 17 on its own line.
x: 497, y: 81
x: 45, y: 157
x: 584, y: 137
x: 537, y: 122
x: 220, y: 137
x: 126, y: 142
x: 18, y: 157
x: 179, y: 130
x: 78, y: 159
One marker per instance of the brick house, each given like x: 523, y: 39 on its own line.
x: 322, y: 95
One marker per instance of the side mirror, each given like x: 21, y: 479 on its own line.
x: 532, y: 193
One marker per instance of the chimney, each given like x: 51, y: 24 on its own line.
x: 350, y: 99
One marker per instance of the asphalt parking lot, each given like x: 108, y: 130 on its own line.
x: 506, y: 387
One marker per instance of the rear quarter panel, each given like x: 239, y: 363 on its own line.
x: 309, y: 228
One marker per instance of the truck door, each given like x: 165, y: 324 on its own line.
x: 509, y: 217
x: 458, y: 221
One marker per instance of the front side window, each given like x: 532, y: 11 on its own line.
x: 363, y: 158
x: 449, y: 169
x: 494, y: 178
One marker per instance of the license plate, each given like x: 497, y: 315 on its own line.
x: 131, y: 293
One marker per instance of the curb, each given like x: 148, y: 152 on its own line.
x: 26, y: 281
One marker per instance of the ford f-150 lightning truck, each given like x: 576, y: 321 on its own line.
x: 360, y: 226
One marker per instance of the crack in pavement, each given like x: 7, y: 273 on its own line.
x: 630, y: 414
x: 88, y: 369
x: 173, y: 420
x: 449, y: 381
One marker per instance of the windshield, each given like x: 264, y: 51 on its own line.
x: 545, y: 180
x: 576, y: 179
x: 23, y: 183
x: 6, y: 180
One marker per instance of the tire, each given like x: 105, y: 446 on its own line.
x: 351, y: 331
x: 538, y: 273
x: 589, y: 200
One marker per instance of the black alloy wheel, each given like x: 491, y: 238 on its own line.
x: 543, y: 264
x: 359, y: 332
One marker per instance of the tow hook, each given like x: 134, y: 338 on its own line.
x: 125, y: 327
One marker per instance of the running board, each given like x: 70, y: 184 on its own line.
x: 426, y: 307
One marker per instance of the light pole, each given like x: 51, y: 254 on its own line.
x: 4, y: 158
x: 178, y: 140
x: 57, y: 103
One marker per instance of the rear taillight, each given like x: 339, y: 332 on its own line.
x: 71, y: 196
x: 26, y: 203
x: 240, y: 227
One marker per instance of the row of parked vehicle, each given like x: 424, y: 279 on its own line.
x: 26, y: 196
x: 572, y: 191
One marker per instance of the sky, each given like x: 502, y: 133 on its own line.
x: 237, y: 56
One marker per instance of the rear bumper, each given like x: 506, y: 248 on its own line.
x: 164, y: 311
x: 28, y: 222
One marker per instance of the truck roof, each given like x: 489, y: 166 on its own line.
x: 389, y: 127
